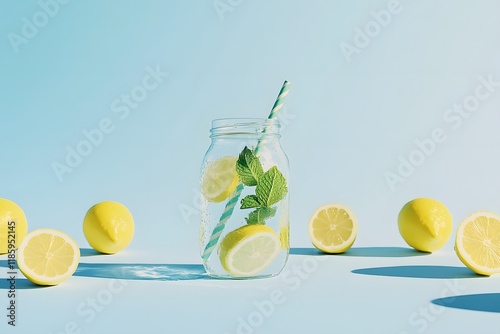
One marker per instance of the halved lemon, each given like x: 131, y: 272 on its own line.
x: 285, y: 230
x: 249, y: 250
x: 219, y: 179
x: 285, y: 237
x: 477, y: 243
x: 48, y: 257
x: 333, y: 228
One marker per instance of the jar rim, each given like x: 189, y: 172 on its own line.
x: 234, y: 121
x: 233, y: 126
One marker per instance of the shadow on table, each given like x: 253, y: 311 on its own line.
x: 142, y: 271
x: 136, y: 271
x: 21, y: 283
x: 485, y: 302
x: 306, y: 251
x: 364, y: 252
x: 419, y: 271
x: 89, y: 252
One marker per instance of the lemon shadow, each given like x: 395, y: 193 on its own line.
x: 21, y: 284
x: 306, y: 251
x: 419, y: 271
x: 485, y: 302
x: 143, y: 271
x: 89, y: 252
x: 4, y: 263
x: 364, y: 252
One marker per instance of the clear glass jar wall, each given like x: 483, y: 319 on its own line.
x: 244, y: 230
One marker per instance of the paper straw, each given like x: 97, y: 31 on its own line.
x: 228, y: 211
x: 279, y: 100
x: 235, y: 196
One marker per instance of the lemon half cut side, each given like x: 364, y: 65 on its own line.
x: 48, y: 257
x: 333, y: 228
x: 477, y: 243
x: 219, y: 179
x: 249, y: 250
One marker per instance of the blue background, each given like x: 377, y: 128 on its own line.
x: 348, y: 121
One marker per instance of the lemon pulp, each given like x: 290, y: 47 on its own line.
x: 219, y: 179
x: 477, y: 243
x: 48, y: 257
x: 333, y: 228
x: 249, y: 250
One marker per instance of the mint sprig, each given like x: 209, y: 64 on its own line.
x: 250, y: 201
x: 260, y: 215
x: 248, y: 167
x: 271, y: 187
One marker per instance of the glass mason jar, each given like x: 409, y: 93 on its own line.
x: 244, y: 230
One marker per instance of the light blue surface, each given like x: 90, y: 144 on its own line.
x: 347, y: 122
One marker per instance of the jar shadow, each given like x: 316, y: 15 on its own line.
x: 143, y: 271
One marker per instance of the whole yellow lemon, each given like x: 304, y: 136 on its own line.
x: 108, y: 227
x: 425, y: 224
x: 13, y: 225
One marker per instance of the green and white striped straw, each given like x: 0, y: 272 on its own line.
x: 235, y: 196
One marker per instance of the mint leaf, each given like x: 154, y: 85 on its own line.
x: 248, y: 167
x: 260, y: 215
x: 271, y: 187
x: 250, y: 201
